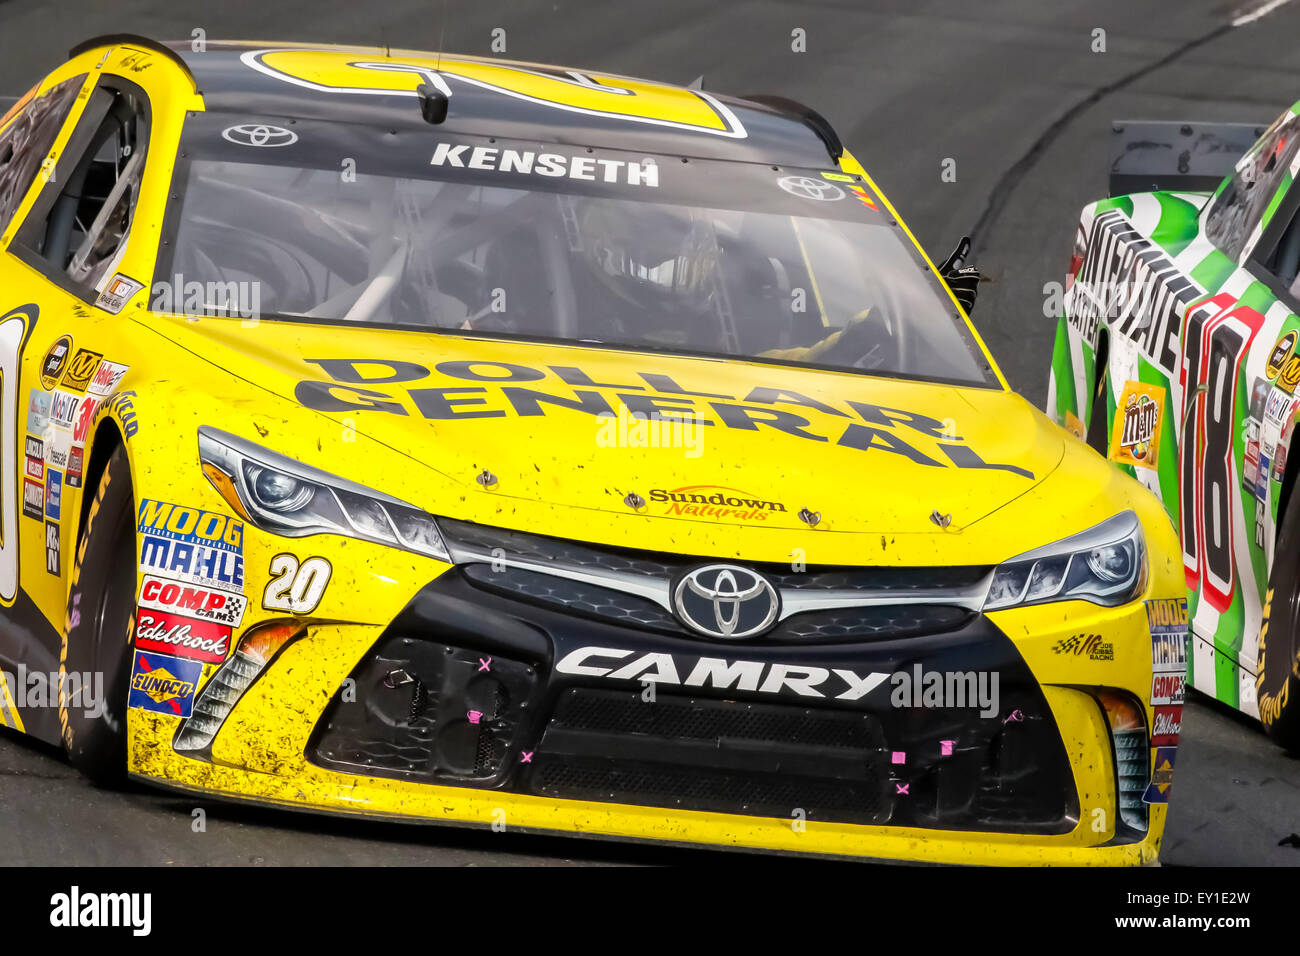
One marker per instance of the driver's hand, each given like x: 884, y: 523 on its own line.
x: 810, y: 353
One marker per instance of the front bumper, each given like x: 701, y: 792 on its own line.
x: 478, y: 708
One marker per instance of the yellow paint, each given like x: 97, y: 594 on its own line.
x: 555, y: 478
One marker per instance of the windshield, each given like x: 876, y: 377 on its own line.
x: 468, y: 235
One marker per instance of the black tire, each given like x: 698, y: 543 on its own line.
x: 97, y: 636
x: 1277, y: 686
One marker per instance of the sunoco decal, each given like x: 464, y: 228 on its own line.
x: 164, y: 684
x: 1162, y: 777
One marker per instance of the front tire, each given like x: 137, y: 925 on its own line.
x: 1277, y: 686
x: 97, y: 636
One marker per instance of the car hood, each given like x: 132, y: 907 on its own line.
x: 583, y: 429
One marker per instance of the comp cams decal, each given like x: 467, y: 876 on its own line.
x: 190, y: 621
x: 501, y: 389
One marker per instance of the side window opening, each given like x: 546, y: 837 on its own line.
x: 84, y: 230
x: 27, y: 140
x: 1284, y: 262
x: 1236, y: 212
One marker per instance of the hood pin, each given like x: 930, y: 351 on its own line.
x: 810, y: 518
x: 634, y: 501
x: 486, y: 478
x: 941, y: 520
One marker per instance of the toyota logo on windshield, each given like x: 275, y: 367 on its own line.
x: 805, y: 187
x: 258, y: 134
x: 722, y: 600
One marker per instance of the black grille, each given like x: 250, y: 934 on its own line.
x: 706, y: 754
x: 713, y: 720
x: 705, y: 790
x: 725, y: 740
x: 811, y: 627
x: 484, y: 540
x: 576, y: 596
x: 868, y: 623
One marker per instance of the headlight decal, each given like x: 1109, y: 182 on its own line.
x: 1105, y: 564
x: 285, y: 497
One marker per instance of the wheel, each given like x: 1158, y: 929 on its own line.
x: 97, y: 637
x: 1277, y: 686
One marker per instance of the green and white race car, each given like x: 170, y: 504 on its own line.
x: 1177, y: 356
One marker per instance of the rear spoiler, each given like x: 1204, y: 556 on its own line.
x: 1190, y: 157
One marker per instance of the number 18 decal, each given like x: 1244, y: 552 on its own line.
x: 296, y: 586
x: 1218, y: 334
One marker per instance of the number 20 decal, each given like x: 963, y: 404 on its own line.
x: 296, y: 586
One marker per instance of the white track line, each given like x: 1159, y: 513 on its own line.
x: 1254, y: 15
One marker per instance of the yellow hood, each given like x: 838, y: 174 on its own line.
x: 585, y: 427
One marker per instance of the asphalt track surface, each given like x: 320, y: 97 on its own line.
x: 1012, y: 90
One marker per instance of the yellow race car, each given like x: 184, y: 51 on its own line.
x: 455, y: 440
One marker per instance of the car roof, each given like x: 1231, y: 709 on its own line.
x: 492, y: 97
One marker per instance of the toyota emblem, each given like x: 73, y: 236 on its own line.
x: 259, y: 134
x: 722, y: 600
x: 805, y: 187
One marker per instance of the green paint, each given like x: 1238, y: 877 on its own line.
x: 1213, y: 271
x: 1179, y: 223
x: 1122, y: 203
x: 1063, y: 373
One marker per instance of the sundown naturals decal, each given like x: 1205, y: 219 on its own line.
x: 714, y: 501
x: 1139, y: 411
x: 488, y: 390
